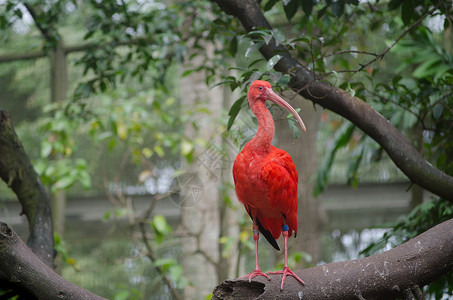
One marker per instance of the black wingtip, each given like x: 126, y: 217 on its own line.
x: 268, y: 235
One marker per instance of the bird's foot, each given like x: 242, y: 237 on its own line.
x: 255, y: 273
x: 285, y: 272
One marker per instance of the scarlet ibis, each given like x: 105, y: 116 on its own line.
x: 265, y: 179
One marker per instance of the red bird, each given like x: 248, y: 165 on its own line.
x: 265, y: 179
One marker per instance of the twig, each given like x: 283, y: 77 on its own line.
x: 149, y: 249
x: 384, y: 52
x: 152, y: 257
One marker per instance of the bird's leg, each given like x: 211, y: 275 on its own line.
x: 286, y: 270
x: 257, y: 272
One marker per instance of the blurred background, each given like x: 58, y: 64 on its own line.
x: 132, y: 113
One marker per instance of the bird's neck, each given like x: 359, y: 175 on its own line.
x: 263, y: 139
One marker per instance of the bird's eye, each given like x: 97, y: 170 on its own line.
x: 260, y: 88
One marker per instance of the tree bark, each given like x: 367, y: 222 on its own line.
x: 17, y: 171
x: 395, y: 273
x: 200, y: 214
x: 23, y: 267
x: 365, y: 117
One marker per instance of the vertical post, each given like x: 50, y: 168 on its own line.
x: 58, y: 84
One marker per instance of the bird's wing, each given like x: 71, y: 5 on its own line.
x: 280, y: 175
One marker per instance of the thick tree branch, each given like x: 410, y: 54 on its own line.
x: 23, y: 267
x: 17, y: 171
x: 390, y: 274
x: 365, y: 117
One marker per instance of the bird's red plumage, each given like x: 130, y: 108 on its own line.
x: 266, y: 184
x: 265, y: 177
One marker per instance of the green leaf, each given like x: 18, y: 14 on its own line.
x: 46, y: 149
x: 437, y: 111
x: 428, y: 67
x: 284, y: 80
x: 175, y: 272
x: 337, y: 8
x: 273, y: 61
x: 407, y: 11
x: 121, y: 295
x: 394, y: 4
x: 253, y: 48
x: 234, y: 110
x: 350, y: 90
x: 165, y: 263
x: 159, y: 150
x: 269, y: 4
x: 233, y: 47
x: 186, y: 148
x: 294, y: 126
x: 353, y: 167
x: 442, y: 70
x: 64, y: 182
x: 290, y: 8
x: 160, y: 227
x: 353, y: 2
x: 307, y: 6
x: 160, y: 223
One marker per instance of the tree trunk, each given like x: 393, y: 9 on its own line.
x: 228, y: 227
x: 19, y: 174
x: 397, y: 273
x: 200, y: 217
x: 58, y: 85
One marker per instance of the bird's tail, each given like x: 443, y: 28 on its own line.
x: 268, y: 234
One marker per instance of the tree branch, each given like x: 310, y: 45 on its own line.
x: 23, y: 267
x: 82, y: 47
x: 17, y: 171
x: 35, y: 13
x: 388, y: 48
x: 382, y: 276
x: 365, y: 117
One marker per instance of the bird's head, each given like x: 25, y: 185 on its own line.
x: 261, y: 90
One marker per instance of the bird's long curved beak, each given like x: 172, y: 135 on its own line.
x: 272, y: 96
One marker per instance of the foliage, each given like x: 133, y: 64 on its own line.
x: 61, y: 248
x: 57, y: 141
x: 420, y: 219
x: 420, y: 96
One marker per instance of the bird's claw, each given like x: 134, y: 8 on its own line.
x: 285, y: 272
x: 255, y: 273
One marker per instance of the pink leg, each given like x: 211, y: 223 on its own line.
x: 257, y: 272
x: 286, y: 270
